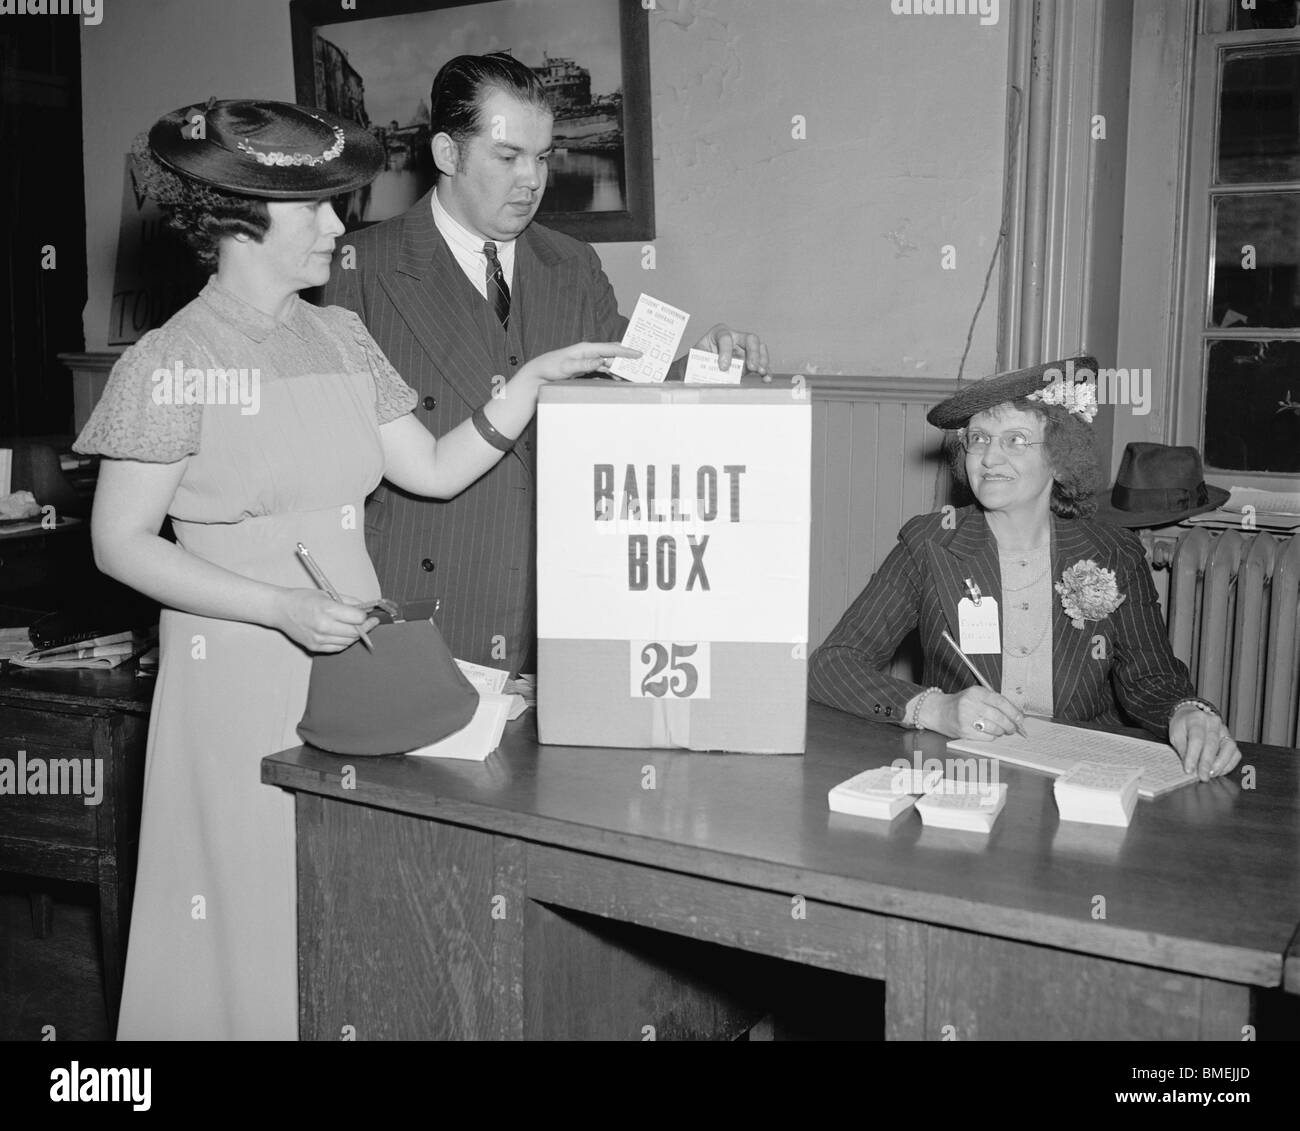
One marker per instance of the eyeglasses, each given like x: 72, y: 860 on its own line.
x: 1013, y: 443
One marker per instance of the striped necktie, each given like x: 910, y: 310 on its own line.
x: 497, y: 291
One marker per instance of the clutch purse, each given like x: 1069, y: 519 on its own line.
x: 405, y: 694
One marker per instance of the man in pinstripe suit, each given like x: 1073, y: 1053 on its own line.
x: 1092, y: 653
x: 459, y: 292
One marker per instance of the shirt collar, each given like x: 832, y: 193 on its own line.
x: 455, y: 233
x: 253, y: 323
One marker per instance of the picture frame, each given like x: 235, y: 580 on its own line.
x: 601, y: 179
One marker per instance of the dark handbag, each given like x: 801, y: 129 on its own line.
x: 405, y: 694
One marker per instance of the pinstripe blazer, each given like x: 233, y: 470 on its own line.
x: 473, y: 554
x: 1115, y: 671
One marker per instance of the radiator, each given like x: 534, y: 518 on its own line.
x: 1233, y: 618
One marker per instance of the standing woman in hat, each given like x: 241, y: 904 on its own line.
x: 256, y: 421
x: 1057, y: 612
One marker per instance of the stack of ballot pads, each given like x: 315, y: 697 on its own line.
x: 1097, y: 793
x: 885, y: 792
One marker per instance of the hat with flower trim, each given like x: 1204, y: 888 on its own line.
x: 274, y: 150
x: 1071, y: 382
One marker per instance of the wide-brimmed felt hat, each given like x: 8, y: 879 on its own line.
x: 1157, y: 485
x: 275, y: 150
x: 980, y: 396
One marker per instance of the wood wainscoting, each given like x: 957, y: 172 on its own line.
x: 876, y: 463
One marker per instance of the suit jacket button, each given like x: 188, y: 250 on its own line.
x: 528, y: 445
x: 428, y: 565
x: 514, y: 360
x: 430, y: 403
x: 889, y: 710
x: 877, y: 708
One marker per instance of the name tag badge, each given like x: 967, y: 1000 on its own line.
x: 977, y: 626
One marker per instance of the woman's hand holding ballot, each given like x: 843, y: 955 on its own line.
x: 573, y: 361
x: 416, y: 461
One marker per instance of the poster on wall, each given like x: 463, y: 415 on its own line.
x: 672, y: 575
x: 155, y: 273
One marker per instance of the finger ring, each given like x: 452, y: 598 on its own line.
x: 978, y: 725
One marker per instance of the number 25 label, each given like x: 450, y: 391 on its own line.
x: 668, y: 670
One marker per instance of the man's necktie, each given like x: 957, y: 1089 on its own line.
x: 497, y: 291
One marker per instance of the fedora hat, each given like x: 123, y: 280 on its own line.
x: 1050, y: 380
x: 1157, y: 485
x: 274, y: 150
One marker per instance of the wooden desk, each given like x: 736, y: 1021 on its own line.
x: 79, y: 714
x: 976, y: 937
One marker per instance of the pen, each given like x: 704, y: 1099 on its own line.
x: 984, y: 683
x: 323, y: 582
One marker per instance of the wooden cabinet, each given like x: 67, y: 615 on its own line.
x: 72, y: 748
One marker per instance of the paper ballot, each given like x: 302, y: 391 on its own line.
x: 702, y: 369
x: 1098, y: 794
x: 968, y: 806
x: 882, y: 793
x: 655, y: 329
x: 489, y: 680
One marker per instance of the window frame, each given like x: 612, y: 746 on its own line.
x: 1188, y: 387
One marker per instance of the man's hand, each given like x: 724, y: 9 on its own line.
x: 724, y: 341
x: 1203, y: 743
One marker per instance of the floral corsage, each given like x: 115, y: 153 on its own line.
x: 1078, y: 398
x: 1088, y: 592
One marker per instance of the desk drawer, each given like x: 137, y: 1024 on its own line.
x: 51, y: 795
x: 44, y: 728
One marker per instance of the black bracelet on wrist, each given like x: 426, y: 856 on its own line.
x: 490, y: 434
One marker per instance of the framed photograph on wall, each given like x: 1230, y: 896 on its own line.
x: 375, y: 64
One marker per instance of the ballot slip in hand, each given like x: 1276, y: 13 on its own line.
x: 1098, y: 794
x: 702, y: 369
x: 967, y: 806
x: 881, y: 793
x: 655, y: 329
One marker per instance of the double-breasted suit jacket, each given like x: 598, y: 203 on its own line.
x: 1116, y: 671
x: 474, y: 554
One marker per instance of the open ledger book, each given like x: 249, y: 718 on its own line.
x: 1055, y: 749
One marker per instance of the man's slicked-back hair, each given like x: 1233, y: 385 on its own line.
x: 465, y: 82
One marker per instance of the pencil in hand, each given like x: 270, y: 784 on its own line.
x: 984, y: 683
x: 323, y: 582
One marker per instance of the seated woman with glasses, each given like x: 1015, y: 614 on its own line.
x: 1058, y: 613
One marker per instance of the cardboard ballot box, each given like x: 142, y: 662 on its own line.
x: 672, y: 572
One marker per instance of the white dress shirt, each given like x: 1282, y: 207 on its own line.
x: 468, y: 249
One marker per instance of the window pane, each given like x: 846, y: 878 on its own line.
x: 1259, y: 117
x: 1263, y: 14
x: 1256, y: 260
x: 1252, y: 406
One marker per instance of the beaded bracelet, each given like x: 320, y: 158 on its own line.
x: 490, y: 434
x: 1200, y: 704
x: 920, y: 702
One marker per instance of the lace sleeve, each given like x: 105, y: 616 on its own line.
x: 139, y: 416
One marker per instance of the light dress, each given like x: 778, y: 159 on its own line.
x: 212, y: 952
